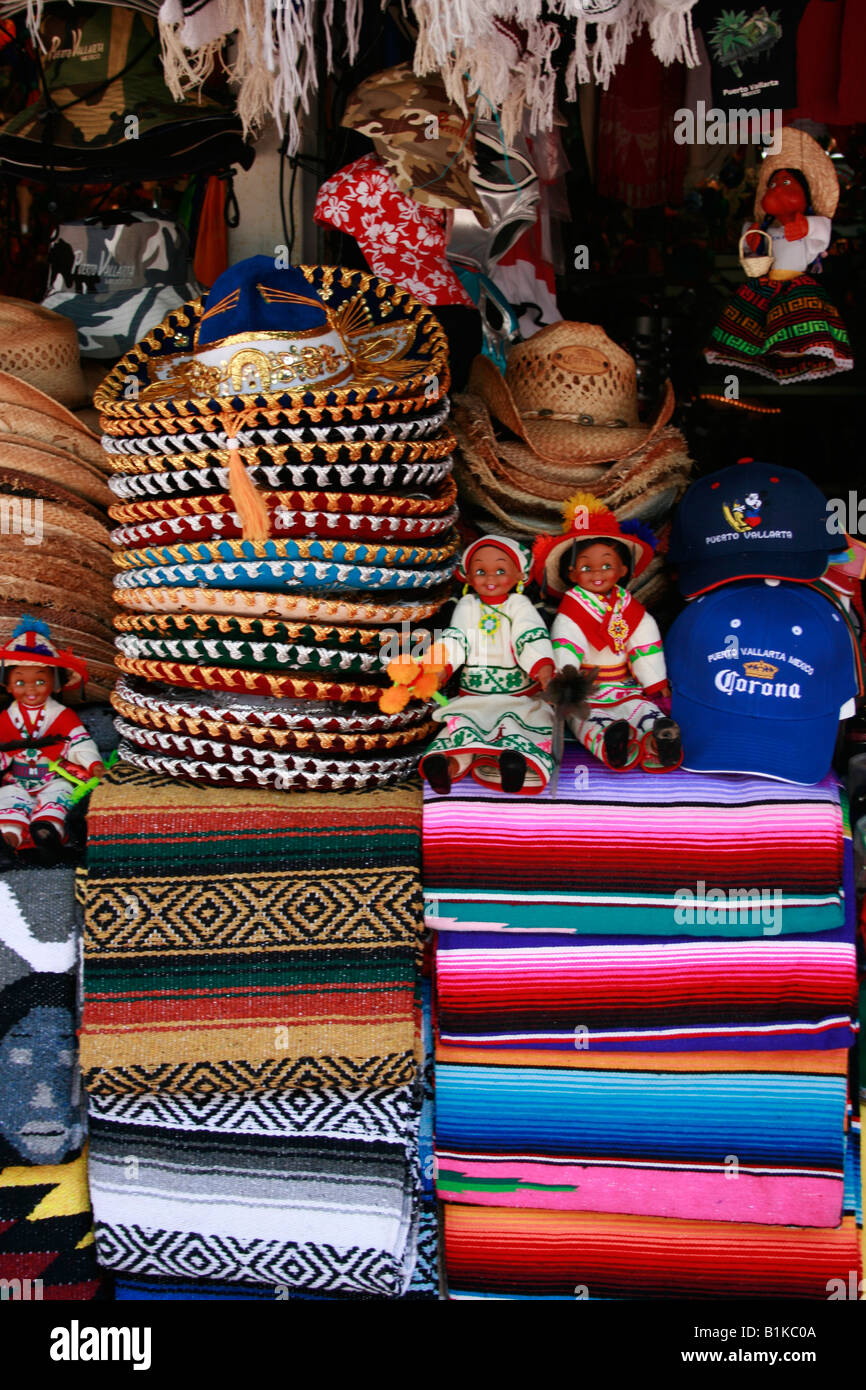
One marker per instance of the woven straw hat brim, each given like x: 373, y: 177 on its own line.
x: 305, y: 775
x: 41, y: 348
x: 14, y: 391
x: 265, y: 713
x: 563, y: 441
x: 252, y: 655
x: 321, y: 525
x: 22, y: 423
x: 26, y: 561
x: 69, y: 472
x: 70, y: 526
x: 340, y: 552
x: 353, y: 477
x: 800, y: 151
x: 282, y: 685
x: 28, y: 589
x: 440, y: 500
x: 29, y: 485
x: 65, y: 620
x: 59, y: 543
x: 337, y: 286
x: 336, y: 455
x: 231, y: 627
x: 265, y: 427
x: 359, y: 608
x: 210, y: 725
x: 476, y: 503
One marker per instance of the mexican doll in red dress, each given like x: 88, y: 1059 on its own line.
x: 781, y: 323
x: 35, y: 730
x: 602, y: 629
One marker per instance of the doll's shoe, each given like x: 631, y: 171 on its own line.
x: 512, y: 770
x: 46, y: 839
x: 669, y: 745
x: 7, y: 853
x: 616, y: 741
x: 437, y: 774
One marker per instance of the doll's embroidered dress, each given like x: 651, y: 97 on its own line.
x: 784, y: 326
x: 498, y: 648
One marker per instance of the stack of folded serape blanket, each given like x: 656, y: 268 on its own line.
x: 46, y: 1237
x: 251, y: 1037
x: 646, y: 1000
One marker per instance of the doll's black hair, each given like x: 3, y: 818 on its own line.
x: 568, y: 559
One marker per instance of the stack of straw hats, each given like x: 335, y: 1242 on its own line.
x: 55, y: 545
x: 564, y: 418
x: 281, y: 470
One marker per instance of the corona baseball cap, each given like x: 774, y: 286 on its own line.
x: 761, y: 673
x: 752, y: 520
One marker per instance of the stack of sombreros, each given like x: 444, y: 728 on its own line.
x: 563, y: 418
x: 283, y: 494
x: 55, y: 546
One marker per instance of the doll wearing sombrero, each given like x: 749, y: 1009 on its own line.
x: 782, y: 324
x: 498, y: 728
x: 34, y: 800
x: 601, y: 627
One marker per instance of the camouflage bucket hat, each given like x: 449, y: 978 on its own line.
x: 426, y: 141
x: 116, y: 278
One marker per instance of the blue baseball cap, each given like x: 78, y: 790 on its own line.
x: 751, y: 521
x: 761, y: 673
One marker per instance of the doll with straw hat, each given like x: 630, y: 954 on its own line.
x: 781, y: 323
x: 601, y: 627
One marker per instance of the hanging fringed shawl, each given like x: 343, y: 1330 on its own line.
x: 273, y: 63
x: 501, y: 50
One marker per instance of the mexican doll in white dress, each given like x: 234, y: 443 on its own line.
x: 36, y: 729
x: 498, y: 728
x: 781, y: 323
x: 601, y: 628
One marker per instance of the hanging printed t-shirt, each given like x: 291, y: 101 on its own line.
x: 752, y: 51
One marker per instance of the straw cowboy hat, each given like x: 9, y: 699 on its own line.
x: 27, y: 413
x: 23, y: 456
x: 571, y: 395
x: 800, y: 151
x: 498, y: 477
x: 41, y: 348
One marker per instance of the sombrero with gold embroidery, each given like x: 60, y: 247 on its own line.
x: 350, y: 608
x: 231, y: 627
x: 212, y: 724
x: 343, y: 453
x: 303, y: 338
x: 280, y: 772
x: 265, y: 429
x: 287, y: 522
x: 230, y: 552
x: 438, y: 501
x: 252, y: 655
x: 278, y: 684
x: 282, y: 576
x: 271, y: 478
x: 252, y: 718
